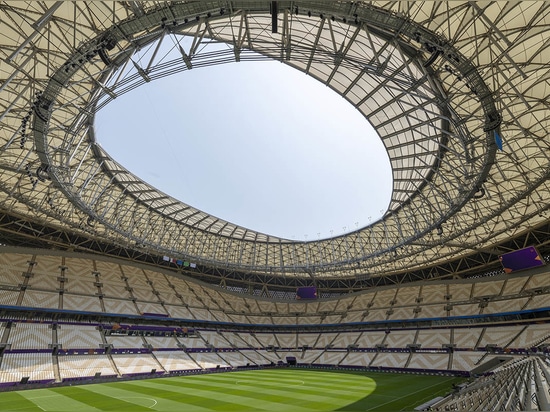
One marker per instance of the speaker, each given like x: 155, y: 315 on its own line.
x: 274, y: 12
x: 24, y: 380
x: 97, y: 375
x: 153, y: 371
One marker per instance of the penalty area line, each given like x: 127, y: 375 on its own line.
x: 139, y: 397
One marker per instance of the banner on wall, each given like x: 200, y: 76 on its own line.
x: 521, y: 259
x: 306, y: 292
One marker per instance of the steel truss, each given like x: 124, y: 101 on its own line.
x: 441, y: 82
x: 23, y: 233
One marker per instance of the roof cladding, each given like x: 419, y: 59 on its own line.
x: 457, y: 91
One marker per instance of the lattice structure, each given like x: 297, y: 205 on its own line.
x: 445, y: 85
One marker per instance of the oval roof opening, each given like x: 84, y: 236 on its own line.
x: 258, y: 144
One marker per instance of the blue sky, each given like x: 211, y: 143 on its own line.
x: 256, y: 143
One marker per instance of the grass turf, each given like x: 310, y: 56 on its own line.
x: 299, y: 390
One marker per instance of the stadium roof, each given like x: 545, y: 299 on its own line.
x: 457, y: 91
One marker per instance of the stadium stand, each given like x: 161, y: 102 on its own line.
x: 24, y: 335
x: 518, y: 384
x: 75, y: 336
x: 84, y: 349
x: 81, y: 367
x: 135, y: 364
x: 37, y: 367
x: 165, y: 342
x: 64, y: 350
x: 207, y: 360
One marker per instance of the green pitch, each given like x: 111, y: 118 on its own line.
x: 299, y: 390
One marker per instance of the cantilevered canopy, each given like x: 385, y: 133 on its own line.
x: 445, y: 84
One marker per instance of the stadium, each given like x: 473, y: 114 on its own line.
x: 106, y: 280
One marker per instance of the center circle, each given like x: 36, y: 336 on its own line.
x: 258, y: 144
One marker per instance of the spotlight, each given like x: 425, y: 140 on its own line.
x: 110, y: 43
x: 208, y: 14
x: 104, y: 58
x: 332, y: 18
x: 439, y: 230
x: 222, y: 11
x: 198, y: 18
x: 480, y: 192
x: 432, y: 58
x: 309, y: 14
x: 296, y: 11
x: 42, y: 173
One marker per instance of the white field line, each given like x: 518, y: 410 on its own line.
x: 139, y: 397
x: 412, y: 393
